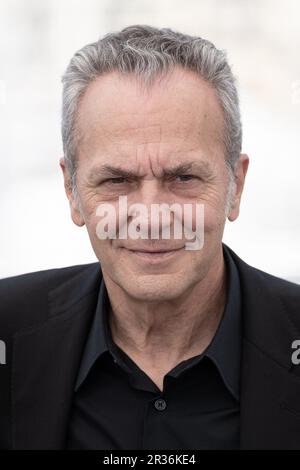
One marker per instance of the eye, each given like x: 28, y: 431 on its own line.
x: 185, y: 178
x: 118, y: 180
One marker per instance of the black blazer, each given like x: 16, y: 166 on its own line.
x: 44, y: 320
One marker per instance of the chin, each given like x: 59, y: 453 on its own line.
x: 152, y: 289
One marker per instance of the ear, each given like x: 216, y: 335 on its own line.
x: 240, y: 172
x: 74, y: 206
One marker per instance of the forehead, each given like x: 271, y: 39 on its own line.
x: 178, y: 112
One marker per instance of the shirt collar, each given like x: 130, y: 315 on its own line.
x: 224, y: 350
x: 97, y: 342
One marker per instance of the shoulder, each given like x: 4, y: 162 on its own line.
x: 287, y: 293
x: 277, y: 285
x: 24, y: 298
x: 277, y: 294
x: 266, y: 280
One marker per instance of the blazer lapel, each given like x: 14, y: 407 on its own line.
x: 46, y: 360
x: 270, y: 384
x: 270, y: 410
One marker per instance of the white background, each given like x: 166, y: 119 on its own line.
x: 38, y: 38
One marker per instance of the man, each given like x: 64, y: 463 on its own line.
x: 155, y: 346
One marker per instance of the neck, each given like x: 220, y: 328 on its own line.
x: 168, y: 331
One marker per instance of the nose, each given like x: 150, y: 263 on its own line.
x: 151, y: 191
x: 150, y: 204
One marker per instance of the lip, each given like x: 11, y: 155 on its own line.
x: 155, y: 257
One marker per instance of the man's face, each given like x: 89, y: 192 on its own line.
x: 123, y: 129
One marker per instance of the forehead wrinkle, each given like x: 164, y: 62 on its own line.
x: 141, y: 127
x: 151, y: 132
x: 109, y: 170
x: 140, y: 135
x: 146, y: 156
x: 114, y: 103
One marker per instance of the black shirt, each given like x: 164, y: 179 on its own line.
x: 117, y: 406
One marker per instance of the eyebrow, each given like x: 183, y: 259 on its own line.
x: 111, y: 171
x: 202, y: 167
x: 115, y: 171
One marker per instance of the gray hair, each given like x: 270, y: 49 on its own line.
x: 148, y: 53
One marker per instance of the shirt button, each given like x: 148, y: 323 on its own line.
x: 160, y: 404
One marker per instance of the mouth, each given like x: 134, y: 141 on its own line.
x: 158, y: 256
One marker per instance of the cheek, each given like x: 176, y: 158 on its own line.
x: 101, y: 220
x: 90, y: 203
x: 210, y: 211
x: 214, y: 208
x: 101, y: 248
x: 214, y: 219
